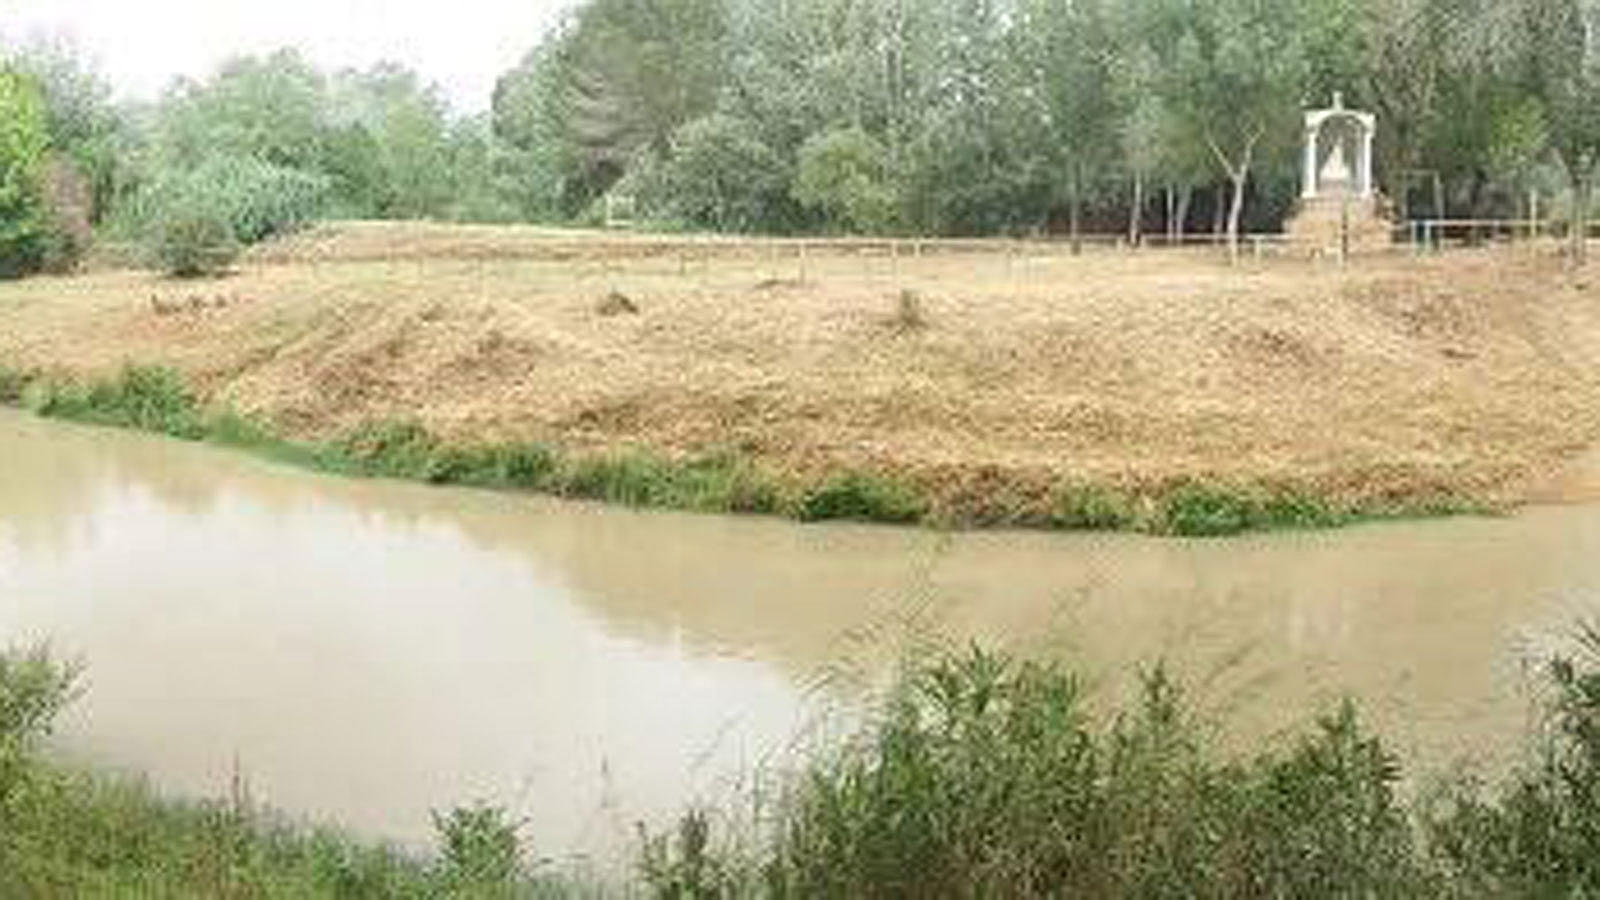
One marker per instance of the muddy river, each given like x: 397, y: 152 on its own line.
x: 367, y: 651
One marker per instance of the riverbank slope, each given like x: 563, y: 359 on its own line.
x: 985, y: 375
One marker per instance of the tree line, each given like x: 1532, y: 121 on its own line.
x: 984, y: 116
x: 947, y: 117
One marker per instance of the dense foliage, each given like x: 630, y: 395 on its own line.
x: 197, y: 219
x: 891, y: 116
x: 23, y: 142
x: 978, y: 116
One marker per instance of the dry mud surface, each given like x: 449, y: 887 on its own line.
x: 1474, y: 372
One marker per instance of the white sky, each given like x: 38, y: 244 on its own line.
x: 140, y: 45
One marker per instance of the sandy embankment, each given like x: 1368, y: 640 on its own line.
x: 1477, y: 372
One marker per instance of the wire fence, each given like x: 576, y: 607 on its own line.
x: 687, y: 252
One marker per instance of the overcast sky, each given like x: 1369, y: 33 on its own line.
x: 140, y: 45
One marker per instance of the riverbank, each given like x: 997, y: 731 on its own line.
x: 157, y: 400
x: 982, y: 775
x: 987, y: 386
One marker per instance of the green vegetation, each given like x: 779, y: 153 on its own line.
x: 152, y: 398
x: 941, y: 117
x: 985, y: 777
x: 884, y: 116
x: 978, y: 775
x: 148, y: 398
x: 196, y: 221
x: 861, y: 497
x: 65, y: 832
x: 23, y: 143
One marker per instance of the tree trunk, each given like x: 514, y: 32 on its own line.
x: 1170, y: 207
x: 1219, y: 215
x: 1580, y: 220
x: 1136, y: 211
x: 1181, y: 223
x: 1075, y: 213
x: 1233, y: 214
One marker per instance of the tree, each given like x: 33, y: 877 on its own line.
x: 85, y: 129
x: 268, y: 107
x: 624, y: 76
x: 1237, y: 83
x: 1145, y: 128
x: 395, y: 134
x: 1408, y: 48
x: 526, y: 122
x: 1076, y: 72
x: 1558, y: 57
x: 24, y: 140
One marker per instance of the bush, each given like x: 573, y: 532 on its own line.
x: 191, y: 237
x: 34, y: 687
x: 479, y: 846
x: 720, y: 174
x: 195, y: 222
x: 24, y: 139
x: 1541, y: 836
x: 1199, y: 511
x: 987, y: 777
x: 843, y: 174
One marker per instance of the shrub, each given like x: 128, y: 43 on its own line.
x: 13, y: 383
x: 69, y: 204
x: 1087, y: 508
x: 1541, y: 836
x: 195, y: 221
x: 34, y: 687
x: 190, y: 236
x: 24, y: 139
x: 909, y: 314
x: 1200, y: 511
x: 479, y: 846
x: 720, y: 174
x: 843, y: 174
x: 983, y: 776
x: 391, y: 449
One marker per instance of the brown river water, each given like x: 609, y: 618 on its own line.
x: 365, y: 651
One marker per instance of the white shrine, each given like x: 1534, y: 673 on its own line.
x: 1333, y: 136
x: 1339, y: 203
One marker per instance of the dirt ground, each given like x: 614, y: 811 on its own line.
x: 1476, y: 371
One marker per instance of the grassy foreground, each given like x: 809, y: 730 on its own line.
x: 980, y: 776
x: 156, y: 399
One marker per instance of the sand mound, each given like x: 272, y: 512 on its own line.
x: 1467, y: 371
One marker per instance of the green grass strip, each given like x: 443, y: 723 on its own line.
x: 156, y: 399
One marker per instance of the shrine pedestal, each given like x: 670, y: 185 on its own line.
x: 1315, y: 226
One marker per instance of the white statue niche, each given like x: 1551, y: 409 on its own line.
x: 1338, y: 152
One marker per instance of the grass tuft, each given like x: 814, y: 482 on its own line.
x: 863, y: 498
x: 1199, y: 510
x: 1090, y: 508
x: 14, y: 384
x: 148, y: 398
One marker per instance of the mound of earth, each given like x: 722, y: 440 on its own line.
x: 1472, y: 372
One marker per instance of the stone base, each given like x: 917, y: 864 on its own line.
x: 1315, y: 226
